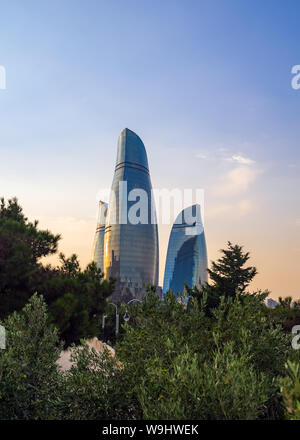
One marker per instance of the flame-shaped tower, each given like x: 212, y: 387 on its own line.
x: 98, y: 246
x: 131, y: 237
x: 186, y: 261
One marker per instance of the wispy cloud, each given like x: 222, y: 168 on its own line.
x: 202, y: 155
x: 223, y: 154
x: 241, y: 159
x: 236, y: 181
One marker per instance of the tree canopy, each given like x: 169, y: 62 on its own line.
x: 76, y: 297
x: 22, y: 244
x: 228, y: 277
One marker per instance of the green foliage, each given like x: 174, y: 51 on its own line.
x: 33, y: 387
x: 290, y: 389
x: 228, y: 277
x: 228, y: 274
x: 162, y: 329
x: 243, y: 321
x: 95, y: 387
x: 186, y: 365
x: 28, y: 372
x: 173, y: 362
x: 219, y: 355
x: 226, y: 386
x: 286, y: 313
x: 22, y: 244
x: 76, y: 298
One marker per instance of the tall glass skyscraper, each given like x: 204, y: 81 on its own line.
x: 131, y: 237
x: 98, y: 246
x: 186, y: 261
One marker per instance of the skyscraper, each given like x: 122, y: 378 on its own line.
x: 186, y: 261
x: 131, y: 237
x: 98, y: 246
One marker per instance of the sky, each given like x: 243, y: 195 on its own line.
x: 205, y: 84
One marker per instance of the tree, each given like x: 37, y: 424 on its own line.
x: 228, y: 277
x: 22, y: 245
x: 223, y: 387
x: 95, y: 388
x: 228, y: 274
x: 286, y: 313
x: 290, y: 389
x: 285, y: 302
x: 28, y: 372
x: 76, y: 298
x: 172, y: 362
x: 32, y: 386
x: 185, y: 365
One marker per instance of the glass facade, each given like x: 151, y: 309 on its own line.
x: 186, y: 261
x: 130, y: 250
x: 98, y: 245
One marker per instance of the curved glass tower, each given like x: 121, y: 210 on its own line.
x: 131, y: 237
x: 98, y: 246
x: 186, y: 261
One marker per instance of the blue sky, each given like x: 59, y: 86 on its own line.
x: 207, y: 86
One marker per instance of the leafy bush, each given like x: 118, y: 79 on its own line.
x: 225, y: 387
x: 95, y: 387
x: 28, y: 371
x: 33, y: 387
x: 76, y: 297
x: 181, y: 361
x: 290, y: 389
x: 174, y: 359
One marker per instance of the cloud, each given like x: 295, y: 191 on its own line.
x: 236, y: 181
x: 222, y: 154
x: 240, y: 208
x: 203, y: 156
x: 241, y: 159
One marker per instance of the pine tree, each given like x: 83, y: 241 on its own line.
x: 228, y: 274
x: 22, y: 245
x: 228, y: 277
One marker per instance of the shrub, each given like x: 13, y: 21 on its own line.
x: 290, y: 389
x: 28, y: 370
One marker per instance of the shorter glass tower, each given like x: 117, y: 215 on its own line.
x: 98, y: 246
x: 186, y: 261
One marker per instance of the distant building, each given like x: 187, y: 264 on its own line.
x: 130, y: 250
x: 186, y: 261
x: 271, y: 303
x: 98, y: 246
